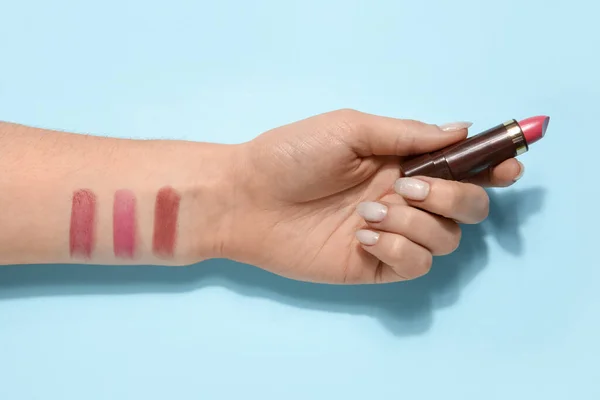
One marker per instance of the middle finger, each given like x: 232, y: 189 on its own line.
x: 463, y: 202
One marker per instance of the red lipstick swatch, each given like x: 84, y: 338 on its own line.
x: 124, y: 224
x: 165, y: 222
x: 83, y: 220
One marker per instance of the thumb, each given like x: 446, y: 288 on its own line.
x: 384, y: 136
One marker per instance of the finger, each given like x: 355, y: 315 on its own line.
x: 439, y: 235
x: 406, y: 258
x: 462, y: 202
x: 370, y: 134
x: 502, y: 175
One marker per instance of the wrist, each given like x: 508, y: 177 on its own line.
x: 212, y: 175
x: 233, y: 218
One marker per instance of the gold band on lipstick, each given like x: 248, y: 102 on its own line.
x: 516, y: 135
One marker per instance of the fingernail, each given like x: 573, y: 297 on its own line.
x: 521, y: 172
x: 367, y: 237
x: 411, y: 188
x: 372, y: 211
x: 455, y: 126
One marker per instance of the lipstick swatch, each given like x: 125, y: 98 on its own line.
x: 124, y: 224
x: 165, y: 222
x: 83, y: 220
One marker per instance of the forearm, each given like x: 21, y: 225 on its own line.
x: 69, y: 198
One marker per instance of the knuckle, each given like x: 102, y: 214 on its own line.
x: 423, y: 264
x: 347, y: 114
x: 412, y: 261
x: 416, y: 125
x: 347, y: 120
x: 348, y: 111
x: 409, y: 218
x: 399, y: 246
x: 451, y: 197
x: 452, y: 242
x: 456, y: 239
x: 481, y: 206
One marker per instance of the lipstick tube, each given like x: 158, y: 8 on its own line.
x: 464, y: 159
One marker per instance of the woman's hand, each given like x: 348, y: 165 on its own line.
x: 322, y: 200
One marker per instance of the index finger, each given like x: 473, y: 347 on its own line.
x: 375, y: 135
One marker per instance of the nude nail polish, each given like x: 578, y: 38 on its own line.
x: 367, y: 237
x: 412, y: 188
x: 455, y: 126
x: 372, y: 211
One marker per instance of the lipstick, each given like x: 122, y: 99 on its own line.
x: 479, y: 152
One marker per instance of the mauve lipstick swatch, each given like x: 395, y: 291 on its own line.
x: 124, y: 224
x: 83, y: 221
x: 166, y: 212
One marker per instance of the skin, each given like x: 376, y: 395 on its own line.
x: 285, y: 201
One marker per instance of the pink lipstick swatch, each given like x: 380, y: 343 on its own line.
x: 83, y: 220
x: 165, y: 222
x: 124, y: 224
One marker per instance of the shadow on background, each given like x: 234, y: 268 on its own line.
x: 405, y: 308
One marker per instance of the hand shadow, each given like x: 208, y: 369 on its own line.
x: 405, y: 308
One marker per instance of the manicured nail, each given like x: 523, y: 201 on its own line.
x: 521, y: 171
x: 367, y: 237
x: 411, y: 188
x: 455, y: 126
x: 372, y: 211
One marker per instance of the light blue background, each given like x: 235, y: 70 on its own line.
x: 514, y: 314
